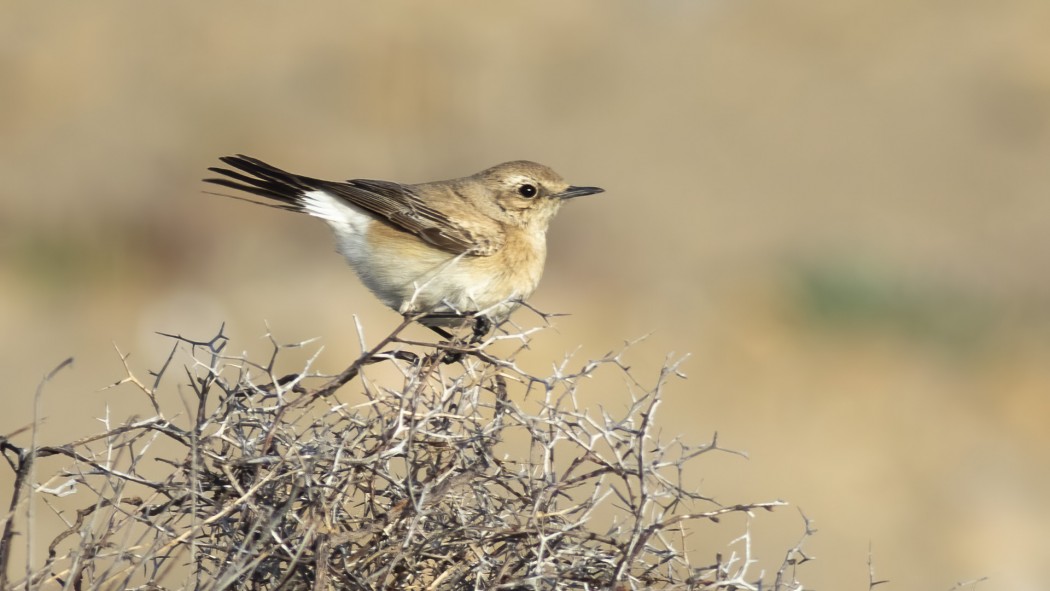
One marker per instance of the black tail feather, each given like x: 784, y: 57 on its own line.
x: 265, y: 180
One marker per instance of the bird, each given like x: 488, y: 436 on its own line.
x: 444, y: 252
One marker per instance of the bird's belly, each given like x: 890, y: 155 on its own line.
x: 412, y: 277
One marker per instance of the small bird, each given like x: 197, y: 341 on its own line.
x: 466, y: 248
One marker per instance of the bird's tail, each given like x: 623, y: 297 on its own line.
x: 264, y: 180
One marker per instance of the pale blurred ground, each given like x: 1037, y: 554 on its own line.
x: 841, y: 208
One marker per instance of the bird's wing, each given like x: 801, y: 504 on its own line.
x: 399, y: 205
x: 403, y: 207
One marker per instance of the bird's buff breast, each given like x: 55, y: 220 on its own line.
x: 410, y: 276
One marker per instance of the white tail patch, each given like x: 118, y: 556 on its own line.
x: 335, y: 211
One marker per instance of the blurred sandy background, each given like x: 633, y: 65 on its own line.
x: 841, y: 208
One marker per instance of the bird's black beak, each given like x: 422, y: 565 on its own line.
x: 579, y: 192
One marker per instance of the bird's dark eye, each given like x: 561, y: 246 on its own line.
x: 527, y: 190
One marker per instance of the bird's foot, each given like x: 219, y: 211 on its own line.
x: 482, y: 327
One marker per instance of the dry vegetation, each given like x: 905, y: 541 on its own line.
x: 463, y: 475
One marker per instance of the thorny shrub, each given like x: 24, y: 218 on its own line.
x: 272, y: 482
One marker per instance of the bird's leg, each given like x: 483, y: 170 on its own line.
x: 450, y: 356
x: 482, y: 325
x: 441, y: 332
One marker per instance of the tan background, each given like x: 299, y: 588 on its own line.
x: 841, y: 208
